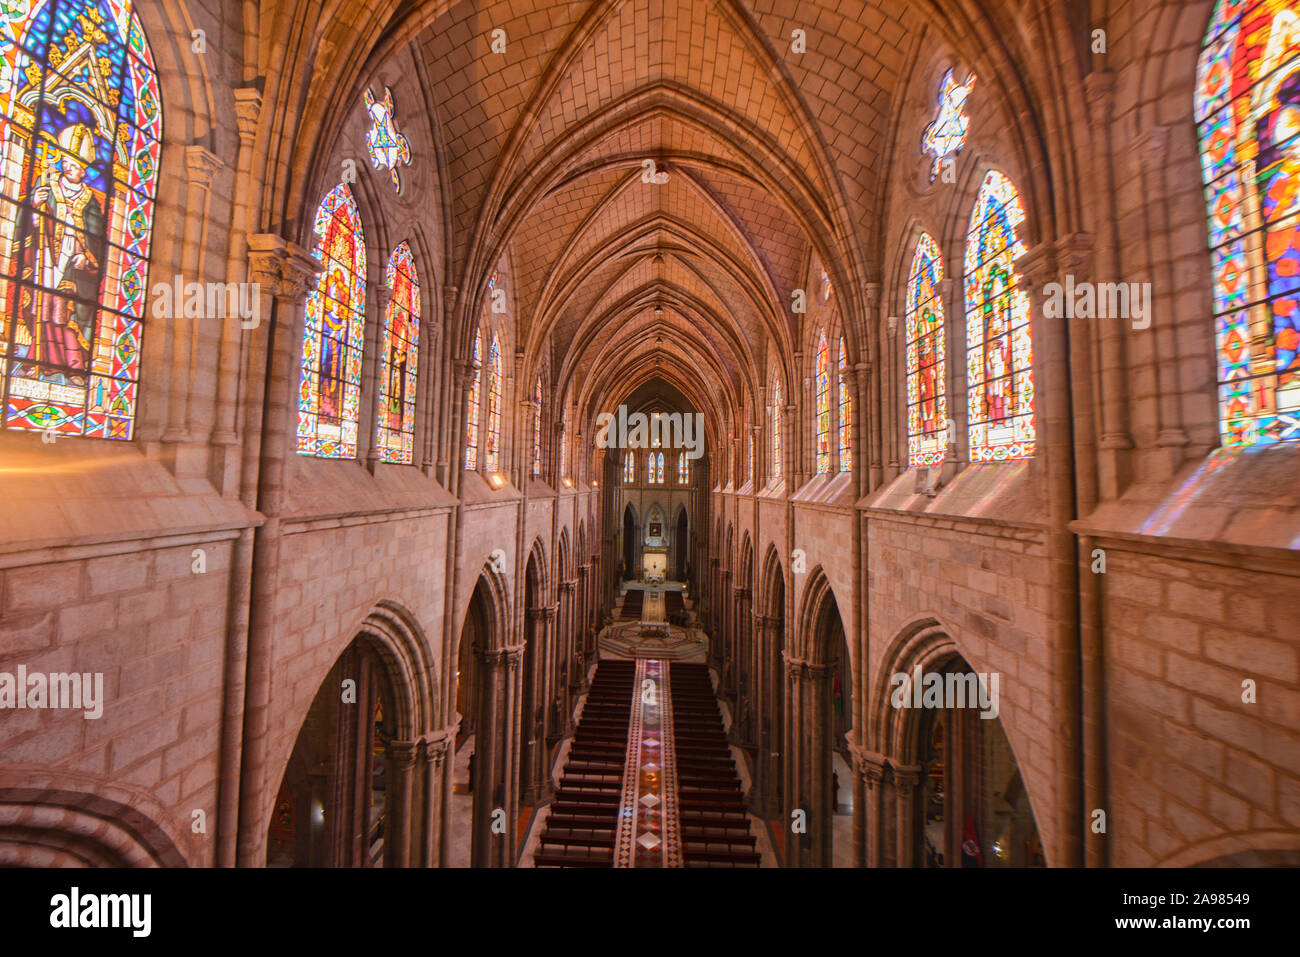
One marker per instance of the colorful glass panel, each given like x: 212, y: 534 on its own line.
x: 329, y: 395
x: 999, y: 350
x: 493, y: 458
x: 399, y: 360
x: 80, y: 128
x: 1247, y: 110
x: 846, y: 413
x: 776, y: 430
x: 823, y: 407
x: 926, y: 338
x: 537, y: 429
x: 472, y: 403
x: 683, y: 469
x: 947, y: 134
x: 387, y: 147
x: 629, y: 469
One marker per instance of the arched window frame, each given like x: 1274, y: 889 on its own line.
x: 474, y: 402
x: 926, y: 345
x: 629, y: 468
x: 331, y: 432
x: 776, y: 430
x: 492, y: 458
x: 537, y: 429
x: 822, y: 406
x: 845, y: 410
x: 683, y: 469
x: 399, y: 359
x: 1001, y: 425
x: 77, y: 375
x: 1246, y: 115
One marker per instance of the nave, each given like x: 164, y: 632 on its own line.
x: 650, y: 780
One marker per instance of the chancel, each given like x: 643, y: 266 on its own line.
x: 710, y: 433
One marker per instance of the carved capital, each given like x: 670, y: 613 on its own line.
x: 248, y: 109
x: 286, y: 269
x: 201, y: 165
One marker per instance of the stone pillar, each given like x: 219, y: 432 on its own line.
x: 817, y: 681
x: 533, y: 735
x: 399, y: 823
x: 510, y: 748
x: 489, y: 761
x: 433, y: 754
x: 906, y: 779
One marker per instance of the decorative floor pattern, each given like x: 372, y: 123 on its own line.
x: 648, y: 829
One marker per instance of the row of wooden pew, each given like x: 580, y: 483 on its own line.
x: 714, y: 827
x: 583, y: 821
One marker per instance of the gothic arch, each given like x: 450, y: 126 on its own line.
x: 813, y: 617
x: 1261, y: 848
x: 59, y: 819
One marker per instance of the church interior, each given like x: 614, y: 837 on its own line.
x: 650, y: 433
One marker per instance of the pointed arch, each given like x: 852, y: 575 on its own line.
x: 329, y: 398
x: 822, y: 406
x: 926, y: 346
x: 473, y: 403
x: 492, y: 460
x: 1247, y: 112
x: 999, y: 345
x: 84, y: 104
x: 399, y: 346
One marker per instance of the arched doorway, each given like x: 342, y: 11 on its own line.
x: 333, y: 805
x: 484, y: 770
x: 971, y: 806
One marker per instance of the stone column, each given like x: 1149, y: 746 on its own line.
x: 873, y: 773
x: 399, y: 824
x: 433, y: 755
x: 283, y: 272
x: 488, y: 761
x: 817, y: 680
x: 535, y: 746
x: 510, y: 798
x: 906, y: 779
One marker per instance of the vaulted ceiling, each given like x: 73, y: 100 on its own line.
x: 776, y: 123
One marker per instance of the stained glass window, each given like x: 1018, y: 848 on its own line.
x: 80, y: 125
x: 999, y: 351
x: 329, y: 397
x: 492, y: 460
x: 537, y: 429
x: 1248, y: 119
x: 629, y: 469
x: 927, y: 400
x: 825, y: 286
x: 683, y: 469
x: 472, y: 403
x: 399, y: 359
x: 564, y: 447
x: 822, y: 409
x: 846, y: 413
x: 659, y: 468
x: 947, y: 134
x: 776, y: 429
x: 387, y: 146
x: 650, y: 468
